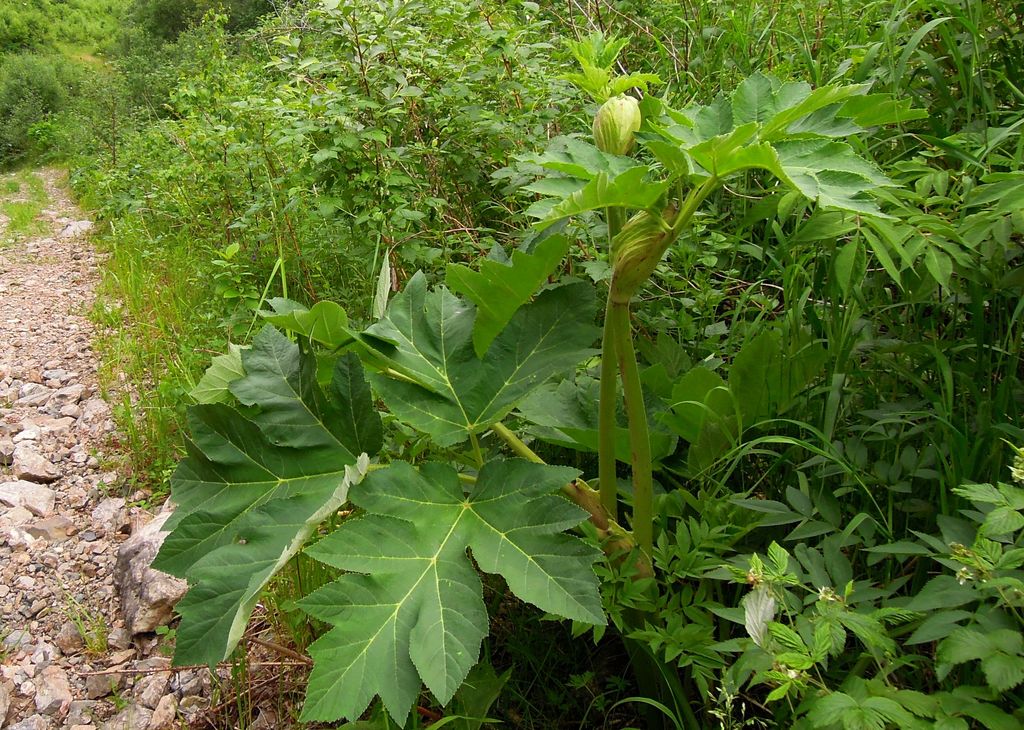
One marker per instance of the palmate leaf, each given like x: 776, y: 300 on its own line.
x: 499, y: 289
x: 443, y: 388
x: 224, y: 370
x: 253, y: 488
x: 411, y: 609
x: 566, y: 416
x: 625, y: 190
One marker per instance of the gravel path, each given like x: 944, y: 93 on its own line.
x: 70, y: 543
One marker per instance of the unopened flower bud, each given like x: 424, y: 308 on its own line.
x: 615, y: 125
x: 636, y: 251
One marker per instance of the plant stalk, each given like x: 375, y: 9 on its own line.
x: 607, y: 403
x: 639, y: 434
x: 606, y: 462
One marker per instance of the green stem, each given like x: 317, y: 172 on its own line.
x: 578, y: 491
x: 515, y: 443
x: 639, y: 436
x: 477, y: 453
x: 607, y: 403
x: 606, y: 464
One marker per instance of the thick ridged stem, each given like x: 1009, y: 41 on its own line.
x: 607, y: 403
x: 639, y: 435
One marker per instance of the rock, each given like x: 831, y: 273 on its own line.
x: 71, y: 410
x: 28, y: 434
x: 164, y: 715
x: 52, y: 529
x: 150, y: 688
x: 15, y: 516
x: 54, y: 694
x: 75, y: 228
x: 98, y: 686
x: 131, y: 717
x: 5, y: 700
x: 81, y: 712
x: 18, y: 539
x: 94, y: 409
x: 37, y: 499
x: 33, y: 395
x: 68, y: 640
x: 267, y: 720
x: 67, y: 396
x: 119, y: 639
x: 32, y: 466
x: 6, y: 451
x: 120, y: 657
x: 147, y: 595
x: 36, y: 722
x: 45, y: 426
x: 110, y: 514
x: 17, y: 639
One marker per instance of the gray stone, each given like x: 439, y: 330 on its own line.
x: 33, y: 395
x: 81, y: 712
x: 110, y: 514
x: 67, y: 396
x: 5, y: 700
x: 147, y: 595
x: 17, y: 538
x: 36, y: 722
x: 75, y: 229
x: 54, y: 694
x: 119, y: 638
x: 94, y: 409
x: 131, y: 717
x: 164, y: 715
x: 28, y: 434
x: 37, y: 499
x: 150, y: 688
x: 15, y: 516
x: 17, y: 639
x: 32, y: 466
x: 98, y: 686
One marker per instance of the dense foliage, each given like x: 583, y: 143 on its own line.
x: 782, y: 488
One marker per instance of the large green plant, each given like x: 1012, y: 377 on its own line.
x: 290, y: 432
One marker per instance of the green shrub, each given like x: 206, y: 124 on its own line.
x: 22, y: 26
x: 168, y: 19
x: 32, y: 88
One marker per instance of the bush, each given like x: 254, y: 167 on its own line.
x: 168, y: 19
x: 21, y: 27
x: 32, y: 88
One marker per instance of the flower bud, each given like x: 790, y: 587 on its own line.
x: 615, y: 123
x: 636, y: 251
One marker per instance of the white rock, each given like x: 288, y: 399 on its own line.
x: 54, y: 695
x: 165, y: 713
x: 110, y: 514
x: 32, y: 466
x: 147, y: 595
x: 36, y: 498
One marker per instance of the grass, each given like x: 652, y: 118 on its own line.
x: 155, y: 341
x: 25, y: 197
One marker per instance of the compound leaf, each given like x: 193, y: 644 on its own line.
x: 447, y: 391
x: 247, y: 498
x: 224, y: 370
x: 294, y: 410
x: 411, y: 608
x: 499, y: 289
